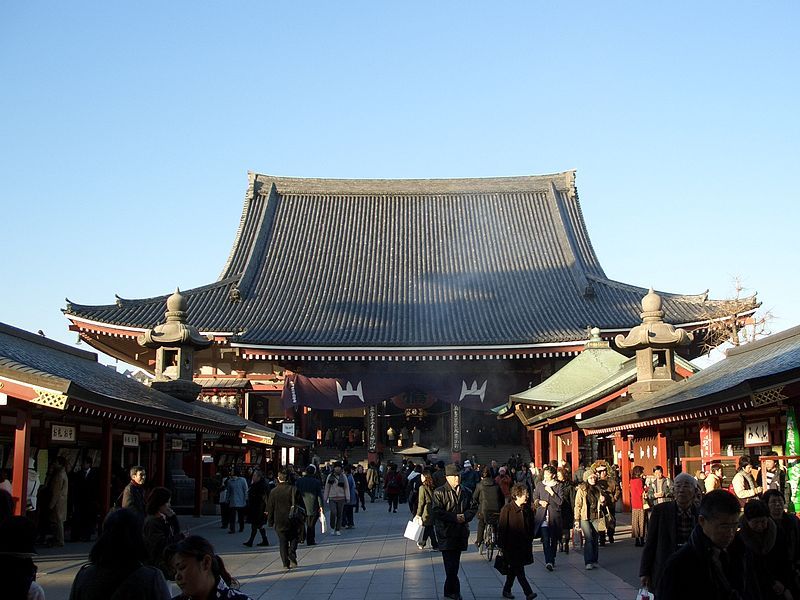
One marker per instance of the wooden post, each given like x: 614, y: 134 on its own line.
x: 198, y: 474
x: 537, y: 447
x: 622, y: 447
x: 662, y: 458
x: 552, y: 447
x: 22, y: 452
x: 576, y: 452
x: 161, y: 458
x: 106, y: 459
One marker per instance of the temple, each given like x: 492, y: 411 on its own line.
x: 394, y: 312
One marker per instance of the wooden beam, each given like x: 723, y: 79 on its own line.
x: 22, y: 452
x: 106, y: 459
x: 198, y: 475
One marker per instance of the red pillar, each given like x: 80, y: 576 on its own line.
x: 621, y: 446
x: 575, y: 442
x: 662, y: 458
x: 537, y: 447
x: 22, y: 452
x: 161, y: 458
x: 552, y: 447
x: 198, y: 474
x: 105, y: 466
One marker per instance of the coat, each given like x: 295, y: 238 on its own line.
x: 311, y: 490
x: 666, y: 488
x: 257, y: 503
x: 447, y: 504
x: 767, y: 557
x: 425, y: 505
x: 337, y: 488
x: 487, y: 499
x: 372, y: 478
x: 660, y: 544
x: 689, y: 573
x: 160, y: 532
x: 515, y: 534
x: 133, y: 499
x: 237, y: 492
x: 278, y: 505
x: 586, y: 508
x: 552, y: 511
x: 59, y: 488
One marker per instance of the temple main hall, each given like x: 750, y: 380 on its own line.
x: 391, y: 312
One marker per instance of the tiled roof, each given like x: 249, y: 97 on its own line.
x: 39, y: 361
x: 747, y: 369
x: 408, y: 263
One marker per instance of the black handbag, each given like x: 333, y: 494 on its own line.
x: 297, y: 512
x: 500, y: 564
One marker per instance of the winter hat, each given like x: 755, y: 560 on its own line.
x: 452, y: 470
x: 588, y: 473
x: 467, y: 464
x: 502, y: 470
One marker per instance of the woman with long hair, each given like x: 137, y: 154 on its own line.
x: 589, y: 501
x: 638, y: 495
x: 515, y: 538
x: 425, y: 510
x: 116, y: 564
x: 200, y: 572
x: 564, y: 477
x: 161, y: 528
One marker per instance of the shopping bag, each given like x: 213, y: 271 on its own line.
x: 577, y: 538
x: 414, y: 531
x: 643, y: 594
x: 500, y: 564
x: 323, y: 523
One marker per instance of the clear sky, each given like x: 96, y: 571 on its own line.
x: 127, y: 130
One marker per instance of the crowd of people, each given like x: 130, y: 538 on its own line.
x: 697, y: 534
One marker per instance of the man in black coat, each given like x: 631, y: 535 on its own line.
x: 452, y: 512
x: 257, y: 495
x: 669, y: 528
x: 711, y: 565
x: 86, y: 501
x: 311, y: 490
x: 133, y: 494
x: 279, y: 504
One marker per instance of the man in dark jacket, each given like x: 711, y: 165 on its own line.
x: 311, y: 489
x: 487, y: 502
x: 279, y: 504
x: 133, y: 494
x: 87, y: 502
x: 257, y: 495
x: 711, y: 565
x: 452, y: 512
x: 669, y: 528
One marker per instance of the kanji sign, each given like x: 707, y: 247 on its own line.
x: 130, y: 440
x: 757, y: 433
x: 62, y: 433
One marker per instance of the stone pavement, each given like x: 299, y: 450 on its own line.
x: 374, y: 561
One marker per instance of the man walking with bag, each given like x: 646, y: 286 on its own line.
x: 451, y: 514
x: 311, y: 489
x: 279, y: 508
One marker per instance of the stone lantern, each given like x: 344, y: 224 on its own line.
x: 654, y: 342
x: 175, y: 342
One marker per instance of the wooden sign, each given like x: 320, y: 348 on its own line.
x: 756, y: 433
x: 130, y: 440
x: 177, y: 443
x: 62, y: 433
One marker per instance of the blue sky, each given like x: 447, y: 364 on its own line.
x: 127, y: 130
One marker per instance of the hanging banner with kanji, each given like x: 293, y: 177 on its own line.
x: 792, y: 448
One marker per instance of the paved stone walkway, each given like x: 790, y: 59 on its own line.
x: 371, y: 561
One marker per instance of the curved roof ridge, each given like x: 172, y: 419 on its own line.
x: 71, y: 306
x: 702, y: 297
x: 564, y: 180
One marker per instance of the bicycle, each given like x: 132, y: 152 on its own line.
x: 490, y: 540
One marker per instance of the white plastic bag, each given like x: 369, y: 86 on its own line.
x: 414, y: 531
x: 323, y: 523
x: 643, y: 594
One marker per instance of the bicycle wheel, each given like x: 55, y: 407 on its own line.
x: 488, y: 539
